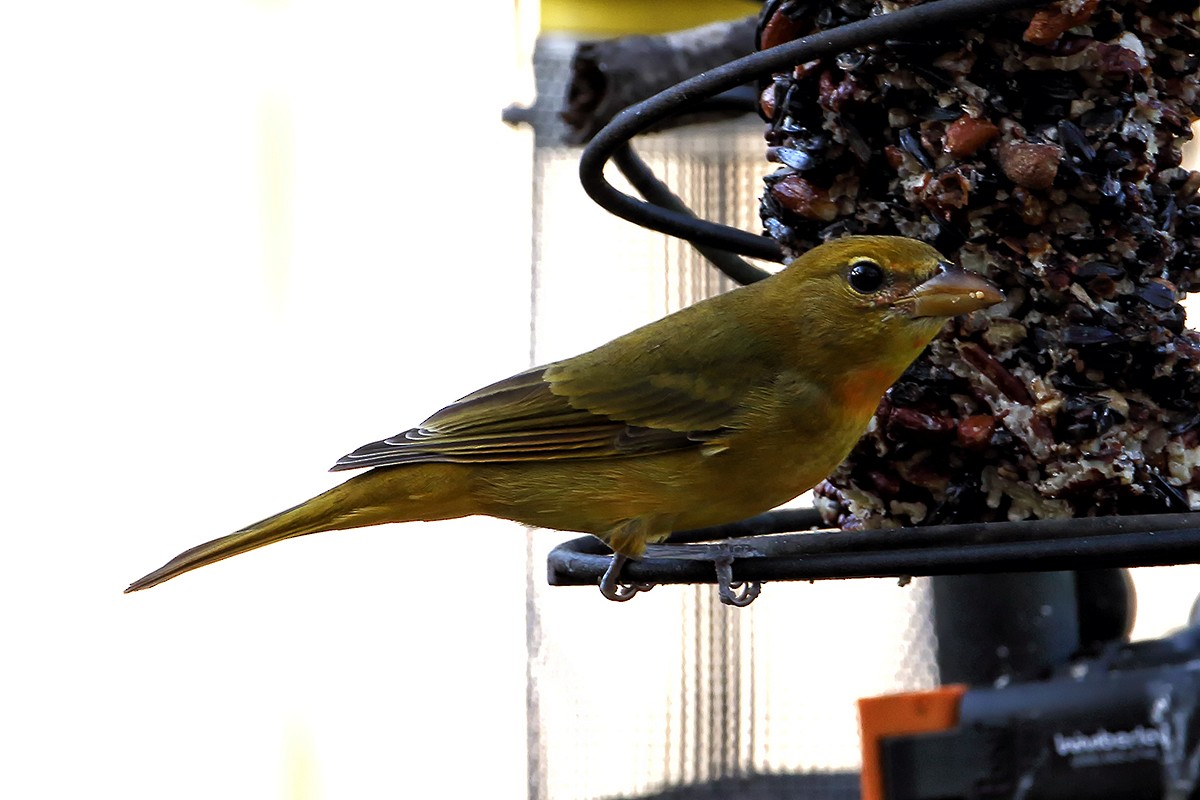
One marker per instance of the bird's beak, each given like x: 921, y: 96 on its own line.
x: 950, y: 292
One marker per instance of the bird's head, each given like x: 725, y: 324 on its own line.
x: 880, y: 297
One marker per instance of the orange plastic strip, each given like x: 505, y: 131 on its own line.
x: 896, y: 714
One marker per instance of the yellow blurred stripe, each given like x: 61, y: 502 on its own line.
x: 623, y: 17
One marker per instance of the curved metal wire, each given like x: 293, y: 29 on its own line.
x: 664, y: 212
x: 643, y: 179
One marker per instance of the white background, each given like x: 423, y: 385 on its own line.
x: 238, y: 240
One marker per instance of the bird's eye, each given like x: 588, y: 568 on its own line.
x: 865, y: 276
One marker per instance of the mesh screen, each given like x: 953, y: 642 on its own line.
x: 673, y: 689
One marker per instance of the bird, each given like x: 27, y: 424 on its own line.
x: 717, y: 412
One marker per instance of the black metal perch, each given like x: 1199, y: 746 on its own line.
x: 769, y: 548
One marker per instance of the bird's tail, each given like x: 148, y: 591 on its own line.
x: 400, y: 494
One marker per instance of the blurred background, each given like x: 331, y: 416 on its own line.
x: 241, y: 239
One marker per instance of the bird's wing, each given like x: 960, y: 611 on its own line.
x: 567, y: 410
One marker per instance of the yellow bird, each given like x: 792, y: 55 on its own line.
x: 715, y: 413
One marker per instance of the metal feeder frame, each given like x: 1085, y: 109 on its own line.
x: 770, y: 547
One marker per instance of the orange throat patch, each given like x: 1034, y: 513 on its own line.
x: 860, y: 390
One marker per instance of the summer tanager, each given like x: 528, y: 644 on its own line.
x: 713, y: 414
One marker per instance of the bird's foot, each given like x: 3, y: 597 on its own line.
x: 729, y: 590
x: 620, y: 592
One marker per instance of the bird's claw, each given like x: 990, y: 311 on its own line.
x: 619, y: 592
x: 728, y: 589
x: 732, y: 593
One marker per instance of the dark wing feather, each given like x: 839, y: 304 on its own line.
x: 517, y: 419
x: 676, y: 383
